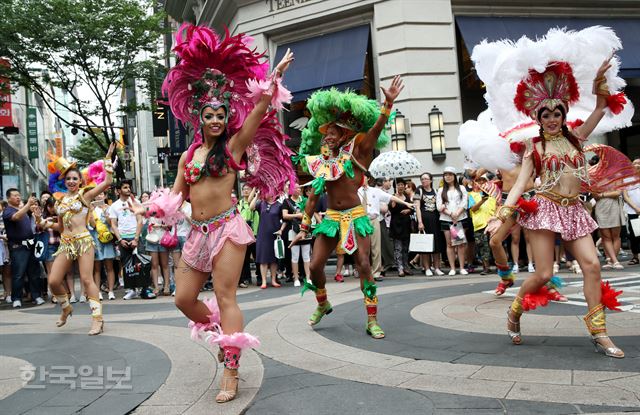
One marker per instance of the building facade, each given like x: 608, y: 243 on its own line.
x: 362, y: 44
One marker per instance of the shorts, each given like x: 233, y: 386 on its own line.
x: 103, y: 251
x: 151, y: 247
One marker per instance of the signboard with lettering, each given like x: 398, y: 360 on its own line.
x: 277, y: 5
x: 6, y: 119
x: 32, y: 132
x: 160, y: 121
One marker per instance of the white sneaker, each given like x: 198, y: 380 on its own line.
x: 464, y: 272
x: 452, y: 272
x: 83, y: 299
x: 8, y: 299
x: 111, y: 295
x: 515, y: 269
x: 73, y: 299
x: 131, y: 294
x: 531, y: 268
x: 296, y: 283
x: 17, y: 304
x: 439, y: 272
x: 173, y: 294
x: 556, y: 267
x: 428, y: 273
x: 39, y: 301
x: 100, y: 296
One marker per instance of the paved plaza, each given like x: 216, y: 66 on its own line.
x: 446, y: 352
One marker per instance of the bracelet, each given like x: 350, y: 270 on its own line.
x: 600, y: 87
x: 505, y: 212
x: 109, y: 170
x: 305, y: 227
x: 384, y: 110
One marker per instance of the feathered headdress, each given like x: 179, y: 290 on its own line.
x: 507, y: 67
x: 229, y: 73
x: 352, y: 112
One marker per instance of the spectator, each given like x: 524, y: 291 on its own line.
x: 246, y: 206
x: 374, y: 198
x: 483, y: 208
x: 126, y: 227
x: 159, y: 254
x: 400, y: 228
x: 44, y: 196
x: 5, y: 266
x: 610, y: 217
x: 632, y: 209
x: 105, y: 252
x: 270, y: 226
x: 386, y: 245
x: 452, y: 205
x: 19, y: 231
x: 184, y: 227
x: 429, y: 222
x: 292, y: 215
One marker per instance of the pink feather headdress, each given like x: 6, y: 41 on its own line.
x: 228, y: 72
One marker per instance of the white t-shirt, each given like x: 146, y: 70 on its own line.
x: 184, y: 226
x: 375, y: 197
x: 634, y: 195
x: 455, y: 201
x: 127, y: 222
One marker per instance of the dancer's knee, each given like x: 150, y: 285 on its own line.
x: 185, y: 303
x: 590, y: 266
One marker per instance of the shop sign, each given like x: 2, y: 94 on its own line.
x: 6, y: 119
x: 277, y: 5
x: 32, y: 132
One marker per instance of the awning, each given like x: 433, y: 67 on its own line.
x: 335, y: 59
x: 475, y: 29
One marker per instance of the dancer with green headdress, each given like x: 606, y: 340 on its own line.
x: 337, y: 148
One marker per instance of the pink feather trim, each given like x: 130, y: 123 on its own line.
x: 165, y: 205
x: 241, y: 340
x: 198, y: 329
x: 272, y: 86
x: 96, y: 173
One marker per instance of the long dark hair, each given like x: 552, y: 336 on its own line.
x: 216, y: 156
x: 446, y: 186
x: 565, y: 130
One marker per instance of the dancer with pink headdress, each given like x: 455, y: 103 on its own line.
x: 222, y: 88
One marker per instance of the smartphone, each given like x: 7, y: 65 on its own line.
x: 33, y: 194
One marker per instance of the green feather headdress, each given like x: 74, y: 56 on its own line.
x: 332, y: 105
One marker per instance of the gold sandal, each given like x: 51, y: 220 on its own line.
x: 66, y: 313
x: 228, y: 395
x: 608, y: 351
x: 97, y: 327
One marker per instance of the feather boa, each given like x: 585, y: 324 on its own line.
x: 165, y: 204
x: 527, y: 206
x: 609, y: 296
x: 197, y: 329
x: 539, y: 298
x: 211, y: 332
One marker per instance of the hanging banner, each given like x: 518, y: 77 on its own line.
x: 32, y: 132
x: 6, y: 119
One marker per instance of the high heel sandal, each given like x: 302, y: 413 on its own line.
x: 502, y: 287
x: 515, y: 336
x: 97, y: 327
x: 66, y: 313
x: 227, y: 395
x: 608, y: 351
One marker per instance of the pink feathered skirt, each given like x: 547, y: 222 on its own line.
x: 571, y: 222
x: 207, y: 239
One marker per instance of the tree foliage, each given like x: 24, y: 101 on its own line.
x: 89, y: 48
x: 86, y: 151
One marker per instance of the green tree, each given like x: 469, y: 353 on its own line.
x: 82, y: 45
x: 86, y: 151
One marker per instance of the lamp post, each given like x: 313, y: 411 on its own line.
x: 436, y: 127
x: 399, y: 132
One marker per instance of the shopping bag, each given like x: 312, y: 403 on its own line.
x: 635, y: 226
x: 137, y: 271
x: 41, y: 248
x: 457, y: 234
x: 278, y: 247
x: 421, y: 242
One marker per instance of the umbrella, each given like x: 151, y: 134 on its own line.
x: 394, y: 164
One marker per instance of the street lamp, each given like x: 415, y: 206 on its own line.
x: 436, y: 127
x: 399, y: 132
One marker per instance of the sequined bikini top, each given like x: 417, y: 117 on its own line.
x: 69, y: 206
x: 194, y: 170
x: 550, y: 166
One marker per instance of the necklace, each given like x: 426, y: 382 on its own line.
x: 553, y: 137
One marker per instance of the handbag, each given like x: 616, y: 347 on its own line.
x: 457, y: 234
x: 278, y: 247
x: 421, y: 242
x: 169, y: 240
x: 153, y: 235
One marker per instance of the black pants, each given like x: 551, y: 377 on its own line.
x: 245, y: 276
x: 24, y: 265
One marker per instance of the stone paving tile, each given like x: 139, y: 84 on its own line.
x: 561, y: 377
x: 57, y: 410
x: 366, y: 374
x: 429, y: 367
x: 464, y: 386
x: 585, y: 395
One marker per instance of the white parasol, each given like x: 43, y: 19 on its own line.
x: 394, y: 164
